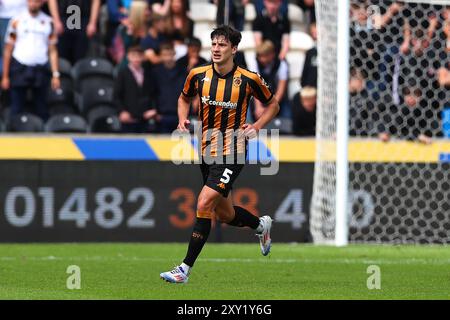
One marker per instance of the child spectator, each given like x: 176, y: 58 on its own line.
x: 133, y: 92
x: 304, y: 112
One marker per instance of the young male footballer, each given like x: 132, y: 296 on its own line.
x: 225, y: 90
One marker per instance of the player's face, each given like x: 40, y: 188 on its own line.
x: 222, y: 50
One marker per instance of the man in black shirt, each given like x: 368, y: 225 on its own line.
x: 304, y: 112
x: 273, y: 26
x: 309, y: 73
x: 73, y: 43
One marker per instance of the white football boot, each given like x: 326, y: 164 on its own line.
x: 177, y: 275
x: 264, y: 236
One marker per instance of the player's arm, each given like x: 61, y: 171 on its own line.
x: 184, y: 103
x: 270, y: 111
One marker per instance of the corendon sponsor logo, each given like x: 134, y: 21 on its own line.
x: 223, y: 104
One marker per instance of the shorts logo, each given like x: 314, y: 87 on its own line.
x: 221, y: 185
x: 237, y: 81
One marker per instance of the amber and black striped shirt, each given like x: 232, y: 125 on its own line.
x: 224, y: 101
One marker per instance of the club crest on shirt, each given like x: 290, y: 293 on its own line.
x: 237, y: 81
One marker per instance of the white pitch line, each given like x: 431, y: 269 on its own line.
x: 243, y: 260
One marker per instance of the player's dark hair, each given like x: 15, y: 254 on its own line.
x: 229, y: 33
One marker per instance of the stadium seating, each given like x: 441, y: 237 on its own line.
x: 60, y: 101
x: 97, y: 95
x: 250, y: 15
x: 204, y: 16
x: 65, y: 69
x: 282, y: 124
x: 66, y: 123
x: 296, y: 17
x: 103, y: 119
x: 248, y: 41
x: 91, y: 71
x: 2, y: 126
x: 25, y: 122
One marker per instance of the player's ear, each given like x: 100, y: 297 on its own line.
x: 234, y: 49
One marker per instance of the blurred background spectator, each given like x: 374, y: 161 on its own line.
x: 134, y: 92
x: 8, y: 9
x: 30, y: 44
x: 309, y: 72
x: 192, y: 58
x: 304, y: 112
x: 74, y: 40
x: 236, y: 12
x: 154, y: 37
x: 272, y: 25
x: 276, y: 73
x: 170, y: 81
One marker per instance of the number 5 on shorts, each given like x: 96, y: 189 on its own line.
x: 226, y: 175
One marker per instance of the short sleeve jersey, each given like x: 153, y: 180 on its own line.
x: 224, y: 101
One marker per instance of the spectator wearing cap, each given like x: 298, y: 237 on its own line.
x: 276, y: 73
x: 134, y: 91
x: 73, y: 43
x: 192, y: 59
x: 304, y: 112
x: 30, y: 44
x: 272, y: 25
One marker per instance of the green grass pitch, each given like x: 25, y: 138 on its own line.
x: 224, y: 271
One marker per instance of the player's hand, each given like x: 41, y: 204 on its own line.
x: 250, y: 131
x: 183, y: 126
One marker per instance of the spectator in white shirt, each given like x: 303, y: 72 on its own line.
x: 30, y: 42
x: 9, y: 9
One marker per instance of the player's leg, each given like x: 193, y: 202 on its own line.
x: 206, y: 203
x: 240, y: 217
x: 234, y: 215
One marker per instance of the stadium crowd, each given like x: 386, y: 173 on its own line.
x: 121, y: 66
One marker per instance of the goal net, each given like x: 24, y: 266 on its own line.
x: 398, y: 150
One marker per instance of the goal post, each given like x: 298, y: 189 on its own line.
x: 380, y: 170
